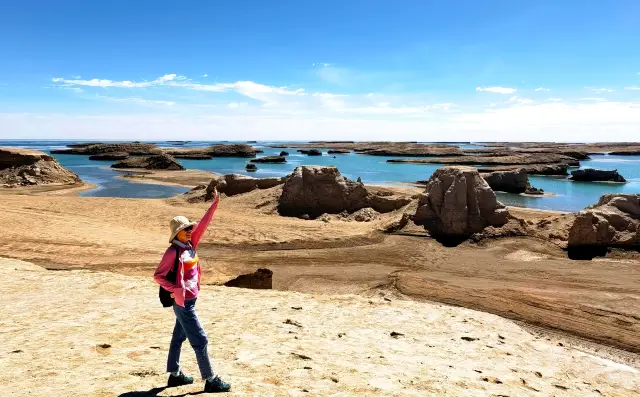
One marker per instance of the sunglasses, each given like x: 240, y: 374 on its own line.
x: 188, y: 229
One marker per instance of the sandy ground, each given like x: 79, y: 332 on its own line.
x: 186, y: 178
x: 81, y: 333
x: 524, y: 279
x: 48, y: 190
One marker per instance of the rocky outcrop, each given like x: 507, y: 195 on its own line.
x: 593, y: 175
x: 260, y: 279
x: 530, y: 169
x: 156, y: 162
x: 534, y: 191
x: 629, y: 152
x: 109, y: 156
x: 311, y: 152
x: 134, y: 148
x: 311, y: 191
x: 515, y: 181
x: 458, y: 203
x: 231, y: 150
x: 426, y: 151
x: 315, y: 190
x: 516, y: 159
x: 284, y: 154
x: 251, y: 168
x: 338, y: 151
x: 270, y: 160
x: 387, y: 203
x: 613, y: 222
x: 233, y: 184
x: 24, y: 167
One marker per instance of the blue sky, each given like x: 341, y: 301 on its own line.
x: 350, y: 69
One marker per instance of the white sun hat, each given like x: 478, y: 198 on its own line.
x: 179, y: 223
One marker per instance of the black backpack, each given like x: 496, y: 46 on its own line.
x: 163, y: 294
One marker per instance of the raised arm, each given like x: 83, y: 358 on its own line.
x: 201, y: 227
x: 165, y: 266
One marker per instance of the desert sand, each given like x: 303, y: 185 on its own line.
x: 89, y: 319
x: 84, y: 333
x: 522, y: 278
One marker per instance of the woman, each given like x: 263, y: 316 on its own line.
x: 185, y: 236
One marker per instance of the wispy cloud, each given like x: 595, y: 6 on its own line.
x: 632, y: 88
x: 599, y: 90
x: 521, y: 101
x: 205, y: 75
x: 110, y: 83
x: 136, y: 100
x: 539, y: 89
x: 496, y: 90
x: 594, y: 99
x: 554, y: 100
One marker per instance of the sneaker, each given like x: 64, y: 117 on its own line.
x: 180, y: 380
x: 216, y: 385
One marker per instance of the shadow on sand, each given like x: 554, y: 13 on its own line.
x: 154, y: 393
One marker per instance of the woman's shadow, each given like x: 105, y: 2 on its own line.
x: 154, y: 393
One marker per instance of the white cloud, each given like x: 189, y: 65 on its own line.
x: 599, y: 90
x: 632, y: 88
x: 593, y: 99
x: 521, y: 101
x: 542, y: 89
x: 77, y: 77
x: 139, y: 101
x: 110, y: 83
x: 496, y: 90
x: 205, y: 75
x: 554, y: 100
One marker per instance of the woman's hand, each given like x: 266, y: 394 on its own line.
x: 172, y: 296
x: 216, y: 195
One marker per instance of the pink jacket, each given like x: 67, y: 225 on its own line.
x: 169, y: 257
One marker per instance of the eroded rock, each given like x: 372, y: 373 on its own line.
x: 593, y: 175
x: 458, y: 203
x: 157, y: 162
x: 24, y: 167
x: 613, y: 222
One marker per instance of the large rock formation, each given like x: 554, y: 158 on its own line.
x: 233, y: 184
x: 315, y: 190
x: 232, y: 150
x: 133, y: 148
x: 270, y: 159
x: 20, y: 167
x: 530, y: 169
x: 260, y: 279
x: 338, y: 151
x: 613, y: 222
x: 109, y: 156
x: 458, y: 203
x: 514, y: 159
x: 156, y: 162
x: 311, y: 152
x: 251, y: 168
x: 593, y: 175
x: 514, y: 181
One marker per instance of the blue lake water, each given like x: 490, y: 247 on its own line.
x: 569, y: 196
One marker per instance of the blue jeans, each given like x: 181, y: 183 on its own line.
x: 188, y: 326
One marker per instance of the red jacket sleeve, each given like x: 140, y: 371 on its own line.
x: 165, y: 266
x: 201, y: 227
